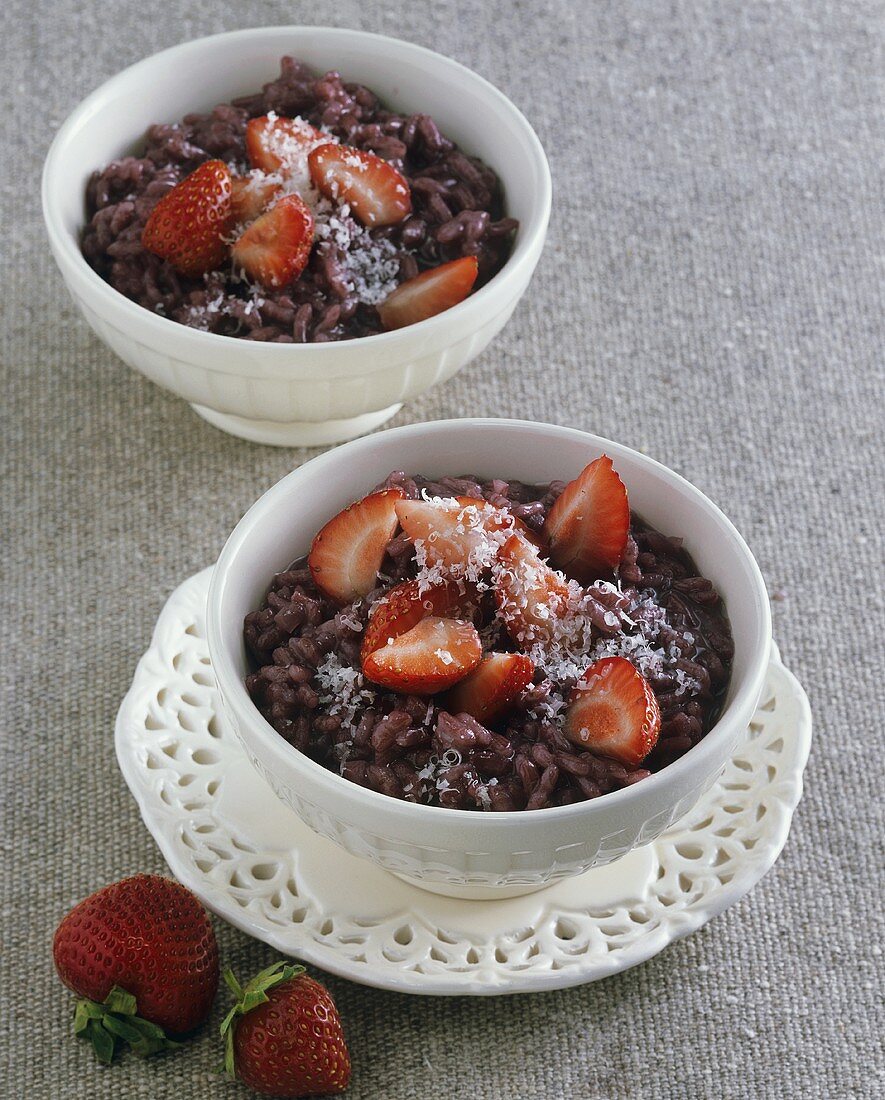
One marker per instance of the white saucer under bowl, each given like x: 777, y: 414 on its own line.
x: 226, y: 836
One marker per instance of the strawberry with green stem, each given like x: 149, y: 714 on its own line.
x: 283, y: 1037
x: 142, y: 956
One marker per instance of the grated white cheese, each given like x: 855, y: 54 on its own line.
x: 345, y: 691
x: 429, y: 769
x: 293, y: 175
x: 482, y: 793
x: 371, y: 267
x: 575, y: 645
x: 560, y: 636
x: 479, y: 542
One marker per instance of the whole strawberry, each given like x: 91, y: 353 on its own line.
x: 142, y: 954
x: 283, y: 1037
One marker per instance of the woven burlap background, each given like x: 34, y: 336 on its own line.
x: 709, y: 293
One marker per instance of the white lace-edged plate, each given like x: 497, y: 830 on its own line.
x: 226, y: 836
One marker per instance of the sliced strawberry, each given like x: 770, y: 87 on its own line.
x: 187, y: 226
x: 490, y: 689
x: 273, y: 144
x: 376, y: 193
x: 531, y: 596
x: 275, y: 249
x: 347, y: 553
x: 431, y: 292
x: 460, y: 534
x: 432, y: 656
x: 613, y: 711
x: 406, y: 605
x: 588, y: 523
x: 250, y: 197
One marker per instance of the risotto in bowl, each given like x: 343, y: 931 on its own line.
x: 508, y: 653
x: 296, y: 246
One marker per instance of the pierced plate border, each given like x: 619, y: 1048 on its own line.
x: 174, y: 748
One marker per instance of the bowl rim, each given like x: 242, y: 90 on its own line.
x: 232, y: 688
x: 529, y: 238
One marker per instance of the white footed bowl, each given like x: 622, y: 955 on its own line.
x: 293, y: 394
x: 457, y: 852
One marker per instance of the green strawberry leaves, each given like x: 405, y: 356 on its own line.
x: 115, y: 1021
x: 254, y: 994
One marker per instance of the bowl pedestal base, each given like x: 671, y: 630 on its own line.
x: 472, y: 893
x: 296, y: 433
x: 607, y: 884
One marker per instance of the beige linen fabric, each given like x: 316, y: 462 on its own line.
x: 709, y: 294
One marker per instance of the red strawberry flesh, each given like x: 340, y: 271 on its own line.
x: 613, y: 712
x: 274, y: 250
x: 375, y: 191
x: 250, y: 197
x: 188, y: 225
x: 407, y: 604
x: 431, y: 292
x: 587, y: 526
x: 492, y: 687
x: 532, y: 598
x: 461, y: 535
x: 275, y: 143
x: 347, y: 553
x: 432, y: 656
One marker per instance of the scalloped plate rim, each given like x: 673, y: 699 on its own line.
x: 754, y: 866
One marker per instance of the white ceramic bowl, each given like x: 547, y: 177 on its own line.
x: 453, y: 851
x: 283, y: 393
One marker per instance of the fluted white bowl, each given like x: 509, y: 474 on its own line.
x: 292, y: 394
x: 456, y: 851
